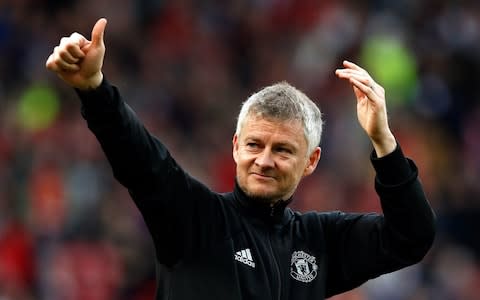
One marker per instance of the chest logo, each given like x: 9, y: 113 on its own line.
x: 245, y: 256
x: 303, y: 266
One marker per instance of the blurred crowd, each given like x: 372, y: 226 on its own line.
x: 69, y: 231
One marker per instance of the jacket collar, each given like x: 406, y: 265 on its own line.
x: 276, y: 213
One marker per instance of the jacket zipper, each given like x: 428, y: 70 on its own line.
x: 277, y: 267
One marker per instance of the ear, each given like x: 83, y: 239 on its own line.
x: 235, y: 147
x: 312, y: 161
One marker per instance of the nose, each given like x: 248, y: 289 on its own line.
x: 265, y: 159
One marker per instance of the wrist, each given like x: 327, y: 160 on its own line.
x: 384, y: 145
x: 94, y: 82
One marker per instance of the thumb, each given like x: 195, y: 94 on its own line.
x: 98, y: 32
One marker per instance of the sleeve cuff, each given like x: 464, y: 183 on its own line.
x: 392, y: 168
x: 98, y: 96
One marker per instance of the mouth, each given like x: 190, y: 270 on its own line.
x: 261, y: 176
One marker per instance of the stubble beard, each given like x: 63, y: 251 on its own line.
x: 265, y: 198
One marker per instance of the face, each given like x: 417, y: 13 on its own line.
x: 271, y: 158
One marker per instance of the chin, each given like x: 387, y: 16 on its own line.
x: 263, y: 195
x: 265, y: 192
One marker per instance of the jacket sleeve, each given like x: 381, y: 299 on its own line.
x: 172, y: 202
x: 364, y: 246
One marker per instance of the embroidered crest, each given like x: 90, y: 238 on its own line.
x: 303, y: 266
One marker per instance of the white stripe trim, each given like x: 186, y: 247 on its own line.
x: 249, y: 255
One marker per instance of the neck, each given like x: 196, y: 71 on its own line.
x: 263, y: 208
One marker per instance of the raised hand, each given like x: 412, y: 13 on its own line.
x: 371, y: 107
x: 78, y: 61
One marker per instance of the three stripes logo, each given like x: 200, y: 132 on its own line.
x: 245, y: 256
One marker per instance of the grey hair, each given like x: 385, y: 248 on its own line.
x: 282, y: 101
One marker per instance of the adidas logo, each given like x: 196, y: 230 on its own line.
x: 244, y: 256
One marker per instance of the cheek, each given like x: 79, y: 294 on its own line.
x: 243, y: 157
x: 243, y: 163
x: 240, y: 166
x: 296, y: 172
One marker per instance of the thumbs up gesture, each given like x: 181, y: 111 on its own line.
x: 78, y: 61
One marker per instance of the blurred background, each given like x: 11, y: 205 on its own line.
x: 69, y: 231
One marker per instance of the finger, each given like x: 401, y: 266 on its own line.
x: 67, y: 55
x: 352, y: 72
x: 62, y: 65
x: 367, y: 80
x: 49, y: 64
x: 76, y: 43
x: 75, y: 40
x: 374, y: 86
x: 365, y: 88
x: 351, y: 65
x: 359, y: 75
x: 62, y: 56
x: 69, y: 48
x: 345, y: 73
x: 98, y: 32
x: 52, y: 63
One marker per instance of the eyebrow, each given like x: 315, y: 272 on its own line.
x: 277, y: 144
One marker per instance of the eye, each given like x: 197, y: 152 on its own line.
x: 252, y: 145
x: 284, y: 150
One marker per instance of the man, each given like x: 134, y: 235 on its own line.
x: 247, y: 244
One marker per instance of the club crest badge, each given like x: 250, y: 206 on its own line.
x: 303, y: 266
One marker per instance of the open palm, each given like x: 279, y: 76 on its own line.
x: 371, y: 106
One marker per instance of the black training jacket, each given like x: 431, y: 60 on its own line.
x: 228, y: 247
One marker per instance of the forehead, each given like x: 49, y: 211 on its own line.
x: 284, y: 131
